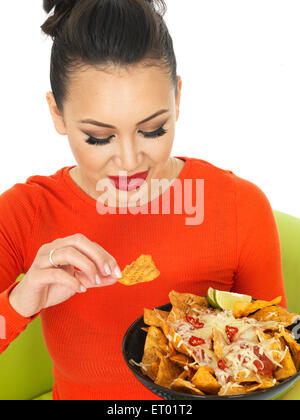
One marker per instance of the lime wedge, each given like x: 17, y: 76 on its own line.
x: 211, y: 298
x: 226, y: 300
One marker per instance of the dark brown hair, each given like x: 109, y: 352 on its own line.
x: 104, y: 33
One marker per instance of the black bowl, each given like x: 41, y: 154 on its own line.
x: 133, y: 348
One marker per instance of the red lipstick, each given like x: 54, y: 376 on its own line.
x: 129, y: 183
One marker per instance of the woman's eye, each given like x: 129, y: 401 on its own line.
x: 157, y: 133
x: 100, y: 142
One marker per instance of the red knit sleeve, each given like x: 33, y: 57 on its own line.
x: 17, y: 214
x: 259, y: 264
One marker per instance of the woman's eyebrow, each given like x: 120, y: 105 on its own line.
x: 100, y: 124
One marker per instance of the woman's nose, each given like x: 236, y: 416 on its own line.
x: 130, y: 157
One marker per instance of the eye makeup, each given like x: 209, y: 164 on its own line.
x: 154, y: 134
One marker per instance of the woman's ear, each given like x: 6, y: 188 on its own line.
x: 56, y: 115
x: 179, y: 88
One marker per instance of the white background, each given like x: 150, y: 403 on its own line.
x: 240, y: 110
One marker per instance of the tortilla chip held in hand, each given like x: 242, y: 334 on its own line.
x: 140, y: 271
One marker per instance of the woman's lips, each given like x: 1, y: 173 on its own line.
x: 129, y: 183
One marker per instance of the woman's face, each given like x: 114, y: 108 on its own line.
x: 123, y: 109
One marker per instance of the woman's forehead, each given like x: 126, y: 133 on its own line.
x: 119, y: 88
x: 133, y: 78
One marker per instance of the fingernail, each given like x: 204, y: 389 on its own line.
x: 109, y: 282
x: 83, y: 289
x: 107, y: 269
x: 98, y: 281
x: 118, y: 272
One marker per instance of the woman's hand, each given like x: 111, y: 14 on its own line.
x: 44, y: 286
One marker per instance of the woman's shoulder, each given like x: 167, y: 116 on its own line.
x: 244, y: 189
x: 47, y: 180
x: 202, y: 166
x: 27, y: 193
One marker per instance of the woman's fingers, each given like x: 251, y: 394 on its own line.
x: 61, y: 277
x: 105, y: 263
x: 74, y: 283
x: 103, y: 281
x: 77, y: 264
x: 71, y: 256
x: 108, y: 281
x: 93, y: 261
x: 111, y: 266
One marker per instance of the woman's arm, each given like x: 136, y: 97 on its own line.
x: 12, y: 323
x: 17, y: 212
x: 259, y: 264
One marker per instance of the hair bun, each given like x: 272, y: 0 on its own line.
x: 158, y: 5
x: 48, y: 5
x: 62, y: 10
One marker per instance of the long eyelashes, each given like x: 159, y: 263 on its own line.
x: 98, y: 142
x: 158, y: 133
x: 101, y: 142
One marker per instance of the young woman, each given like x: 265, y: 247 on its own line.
x: 116, y: 95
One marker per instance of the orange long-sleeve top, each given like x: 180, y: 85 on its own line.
x: 235, y: 247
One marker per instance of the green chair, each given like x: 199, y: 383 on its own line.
x: 289, y: 231
x: 26, y: 368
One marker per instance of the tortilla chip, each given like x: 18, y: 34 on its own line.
x: 187, y: 374
x: 288, y: 368
x: 219, y: 343
x: 140, y: 271
x: 205, y: 381
x: 275, y: 313
x: 274, y: 344
x: 181, y: 359
x: 245, y: 388
x: 145, y: 329
x: 232, y: 389
x: 186, y: 301
x: 175, y: 339
x: 240, y: 309
x: 172, y: 350
x: 266, y: 382
x: 176, y: 314
x: 149, y: 356
x: 181, y: 385
x: 151, y: 371
x: 195, y: 310
x: 293, y: 346
x: 276, y: 347
x: 167, y: 371
x: 165, y: 327
x: 154, y: 317
x: 262, y: 336
x: 155, y: 338
x: 150, y: 363
x: 243, y: 309
x: 243, y: 377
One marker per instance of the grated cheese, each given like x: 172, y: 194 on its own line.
x: 141, y: 365
x: 239, y: 355
x: 180, y: 343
